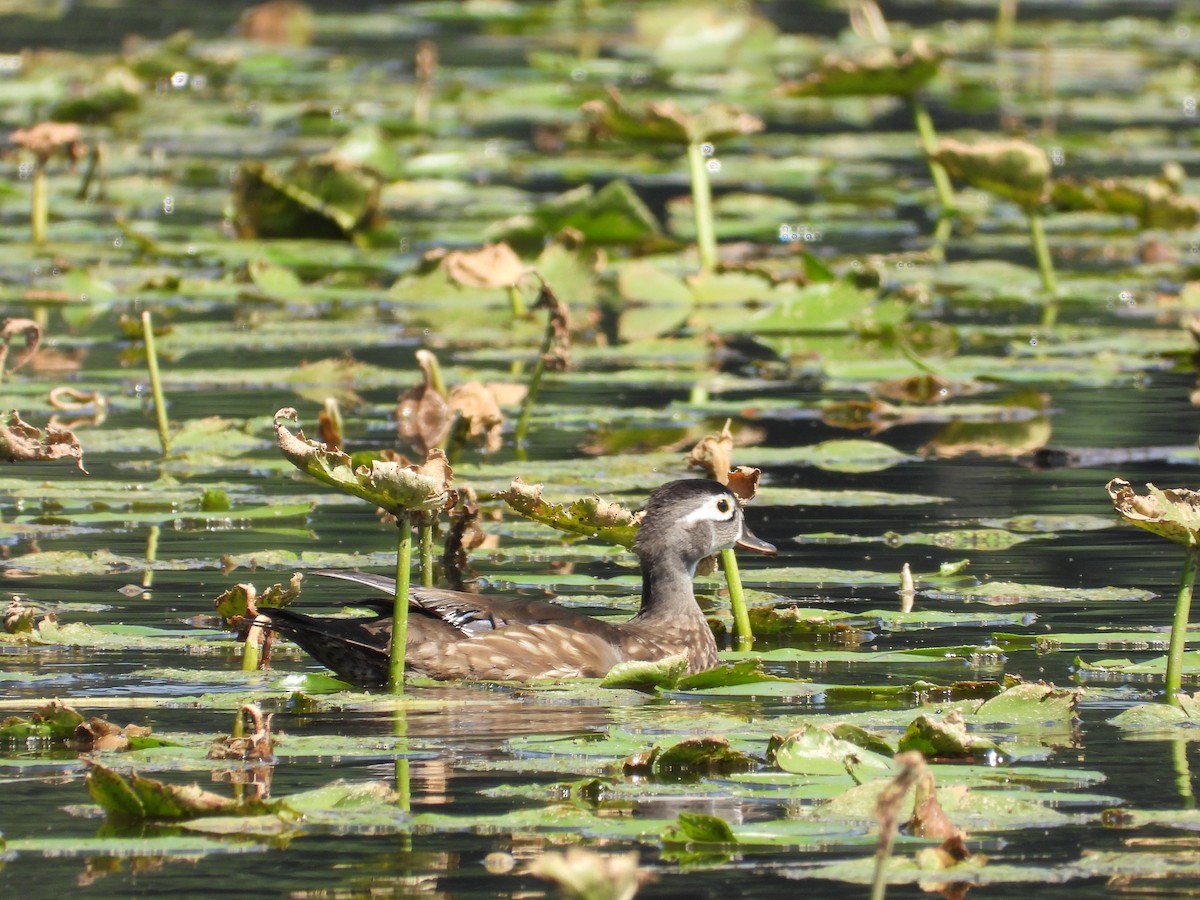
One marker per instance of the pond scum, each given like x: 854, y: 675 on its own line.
x: 919, y: 287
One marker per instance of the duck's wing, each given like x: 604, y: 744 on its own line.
x: 471, y: 614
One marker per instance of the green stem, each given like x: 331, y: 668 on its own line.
x: 160, y: 406
x: 400, y: 606
x: 400, y: 730
x: 39, y: 213
x: 1041, y: 249
x: 250, y: 649
x: 516, y: 302
x: 1006, y: 18
x: 706, y: 237
x: 151, y: 555
x: 1183, y: 605
x: 426, y: 552
x: 737, y: 601
x: 535, y: 382
x: 941, y: 179
x: 1183, y: 773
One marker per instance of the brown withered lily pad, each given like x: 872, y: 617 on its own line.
x: 390, y: 485
x: 258, y: 745
x: 491, y: 266
x: 22, y: 442
x: 713, y: 454
x: 423, y: 415
x: 1173, y: 514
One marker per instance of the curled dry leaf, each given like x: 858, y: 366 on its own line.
x: 423, y: 416
x: 588, y: 516
x: 22, y: 442
x: 257, y: 746
x: 18, y: 618
x: 713, y: 455
x: 396, y: 488
x: 1173, y: 514
x: 556, y: 351
x: 491, y: 266
x: 477, y: 406
x: 94, y: 735
x: 239, y: 605
x: 462, y: 536
x: 11, y: 329
x: 45, y: 138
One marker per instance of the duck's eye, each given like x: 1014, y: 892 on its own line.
x: 723, y: 505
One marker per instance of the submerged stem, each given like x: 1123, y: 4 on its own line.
x: 706, y: 237
x: 400, y: 606
x: 737, y: 601
x: 39, y: 213
x: 1041, y: 249
x: 160, y: 405
x: 1183, y: 606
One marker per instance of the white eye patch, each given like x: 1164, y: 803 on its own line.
x: 719, y: 509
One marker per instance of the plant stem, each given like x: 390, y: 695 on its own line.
x: 151, y: 555
x: 39, y: 212
x: 1183, y: 773
x: 737, y: 601
x: 516, y: 302
x: 882, y: 855
x: 706, y: 237
x: 1045, y: 268
x: 941, y: 179
x: 400, y: 730
x: 160, y: 406
x: 426, y: 550
x: 400, y: 605
x: 1183, y: 605
x: 535, y: 382
x: 250, y: 649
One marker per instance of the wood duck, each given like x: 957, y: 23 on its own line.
x: 452, y: 634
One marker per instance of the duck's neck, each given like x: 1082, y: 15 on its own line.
x: 667, y: 591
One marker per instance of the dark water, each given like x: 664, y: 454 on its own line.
x: 1153, y: 412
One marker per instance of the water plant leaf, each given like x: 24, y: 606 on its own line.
x: 944, y: 737
x: 589, y: 516
x: 389, y: 485
x: 876, y: 71
x: 135, y: 798
x: 318, y: 198
x: 1029, y: 704
x: 665, y: 121
x: 698, y: 828
x: 814, y: 750
x: 1172, y: 514
x: 1015, y: 170
x: 647, y: 675
x: 22, y: 442
x: 693, y: 757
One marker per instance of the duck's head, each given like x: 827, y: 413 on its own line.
x: 692, y: 519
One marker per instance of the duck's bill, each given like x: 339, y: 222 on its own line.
x: 749, y: 542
